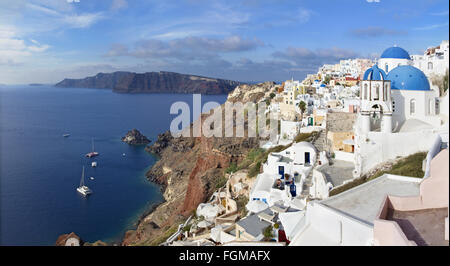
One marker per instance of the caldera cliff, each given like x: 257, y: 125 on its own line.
x: 152, y: 82
x: 189, y: 171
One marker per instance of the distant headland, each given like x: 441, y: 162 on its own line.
x: 152, y: 82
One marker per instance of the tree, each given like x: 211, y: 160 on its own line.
x: 272, y: 95
x: 302, y: 106
x: 268, y: 233
x: 327, y: 79
x: 441, y: 81
x: 445, y: 81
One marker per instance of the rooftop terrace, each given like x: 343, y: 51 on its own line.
x: 363, y: 202
x: 425, y: 227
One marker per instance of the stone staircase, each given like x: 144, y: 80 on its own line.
x: 308, y: 181
x: 320, y: 142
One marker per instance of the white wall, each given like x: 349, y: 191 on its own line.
x: 383, y: 147
x: 338, y: 226
x: 392, y: 63
x: 402, y: 101
x: 319, y: 188
x: 344, y: 156
x: 289, y: 129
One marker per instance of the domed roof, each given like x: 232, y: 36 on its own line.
x: 408, y: 78
x: 395, y: 52
x: 322, y: 85
x: 374, y: 73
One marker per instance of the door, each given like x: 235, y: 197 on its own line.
x: 307, y: 159
x: 281, y: 171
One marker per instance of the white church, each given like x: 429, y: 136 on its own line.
x: 401, y: 111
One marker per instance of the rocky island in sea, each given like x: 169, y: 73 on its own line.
x: 152, y: 82
x: 134, y: 137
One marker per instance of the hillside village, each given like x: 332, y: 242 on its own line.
x: 361, y: 158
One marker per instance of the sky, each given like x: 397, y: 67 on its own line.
x: 45, y: 41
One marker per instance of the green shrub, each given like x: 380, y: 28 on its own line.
x: 267, y: 232
x: 187, y: 228
x: 409, y: 166
x: 231, y: 168
x: 254, y: 170
x: 241, y: 201
x: 221, y: 181
x: 303, y: 137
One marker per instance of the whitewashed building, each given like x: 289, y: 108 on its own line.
x: 434, y: 61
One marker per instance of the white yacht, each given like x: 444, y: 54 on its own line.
x: 83, y: 189
x: 94, y: 164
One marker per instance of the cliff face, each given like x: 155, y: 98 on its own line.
x: 251, y: 93
x: 152, y: 82
x: 188, y: 171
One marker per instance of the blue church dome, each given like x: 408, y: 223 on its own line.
x: 408, y: 78
x: 395, y: 52
x: 374, y: 73
x: 322, y: 85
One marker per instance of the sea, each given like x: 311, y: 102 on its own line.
x: 40, y: 169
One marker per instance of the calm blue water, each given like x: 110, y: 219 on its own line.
x: 40, y: 170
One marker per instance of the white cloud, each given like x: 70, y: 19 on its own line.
x: 430, y: 27
x: 14, y: 50
x: 373, y: 1
x: 83, y: 20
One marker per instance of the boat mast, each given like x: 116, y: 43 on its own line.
x: 82, y: 178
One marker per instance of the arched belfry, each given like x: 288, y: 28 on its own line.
x: 376, y: 104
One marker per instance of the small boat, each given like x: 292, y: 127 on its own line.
x: 83, y: 189
x: 92, y: 178
x: 94, y: 164
x: 123, y: 154
x: 93, y: 153
x: 66, y: 135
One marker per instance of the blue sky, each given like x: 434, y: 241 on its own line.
x: 47, y: 40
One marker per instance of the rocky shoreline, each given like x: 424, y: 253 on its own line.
x: 188, y: 172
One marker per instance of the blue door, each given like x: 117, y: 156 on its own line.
x: 281, y: 171
x: 307, y: 159
x: 293, y: 190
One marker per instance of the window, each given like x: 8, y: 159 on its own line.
x: 430, y: 65
x: 377, y: 92
x: 412, y: 107
x: 436, y: 110
x: 431, y: 106
x: 365, y: 92
x: 386, y: 68
x: 386, y: 88
x: 393, y: 106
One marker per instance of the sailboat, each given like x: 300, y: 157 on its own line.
x: 93, y: 153
x: 83, y: 189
